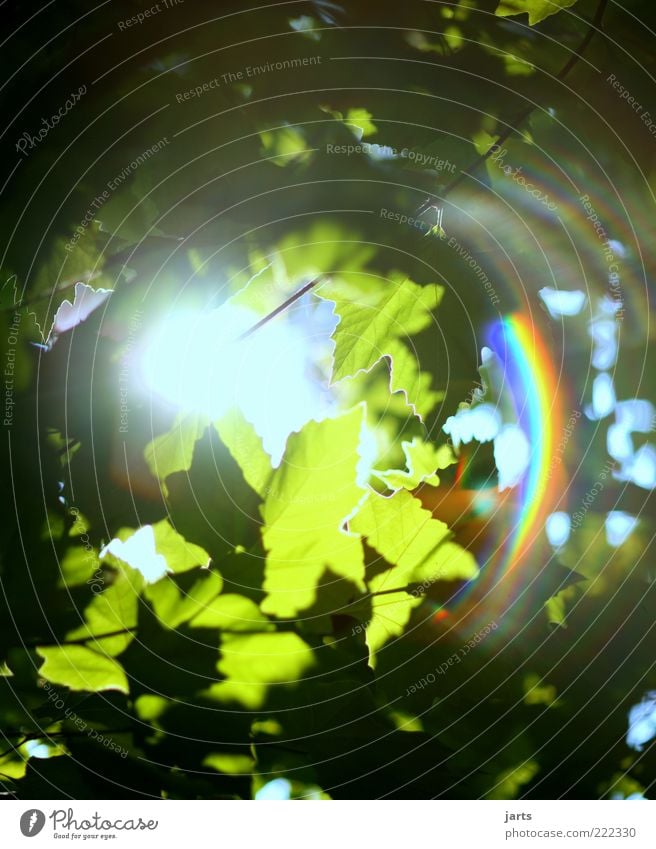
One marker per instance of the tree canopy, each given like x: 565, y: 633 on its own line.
x: 327, y: 443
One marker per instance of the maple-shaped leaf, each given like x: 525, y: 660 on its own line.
x: 417, y: 548
x: 378, y: 324
x: 423, y: 461
x: 308, y: 499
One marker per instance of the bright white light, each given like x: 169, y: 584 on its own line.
x: 642, y: 722
x: 603, y: 397
x: 619, y: 443
x: 632, y: 797
x: 640, y: 469
x: 619, y: 526
x: 278, y: 790
x: 617, y: 248
x: 481, y: 423
x: 139, y: 552
x: 85, y: 300
x: 197, y: 362
x: 512, y: 455
x: 562, y: 302
x: 368, y: 452
x: 635, y: 415
x: 37, y: 750
x: 609, y: 306
x: 558, y: 526
x: 603, y: 332
x: 487, y: 355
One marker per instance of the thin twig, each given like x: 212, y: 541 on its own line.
x: 80, y: 641
x: 281, y: 308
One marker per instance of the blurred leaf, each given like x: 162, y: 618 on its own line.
x: 284, y: 146
x: 12, y: 764
x: 232, y: 612
x: 361, y: 120
x: 230, y: 764
x: 306, y: 25
x: 253, y: 663
x: 537, y: 10
x: 80, y: 668
x: 509, y: 784
x: 113, y: 609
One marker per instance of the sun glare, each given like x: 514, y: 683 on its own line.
x: 197, y: 362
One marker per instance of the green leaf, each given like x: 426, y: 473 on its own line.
x: 361, y: 121
x: 417, y: 548
x: 285, y: 145
x: 423, y: 461
x: 173, y: 451
x: 80, y: 668
x: 253, y: 663
x: 230, y: 764
x: 400, y: 530
x: 174, y: 604
x: 114, y: 609
x: 406, y: 377
x: 374, y: 326
x: 12, y: 764
x: 78, y: 565
x: 232, y: 612
x: 180, y: 554
x: 310, y: 496
x: 453, y: 563
x: 69, y: 261
x: 155, y: 550
x: 537, y: 10
x: 245, y: 445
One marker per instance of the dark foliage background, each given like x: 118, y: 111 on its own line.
x: 137, y: 689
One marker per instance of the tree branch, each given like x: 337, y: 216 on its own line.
x: 299, y: 294
x: 594, y: 27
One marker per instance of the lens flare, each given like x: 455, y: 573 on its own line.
x: 196, y: 361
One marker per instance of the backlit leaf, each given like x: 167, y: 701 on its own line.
x: 232, y: 612
x: 310, y: 496
x: 80, y: 668
x: 378, y: 325
x: 417, y: 548
x: 423, y: 460
x: 537, y: 10
x: 173, y: 451
x: 113, y: 609
x: 174, y: 603
x: 245, y: 445
x: 254, y: 663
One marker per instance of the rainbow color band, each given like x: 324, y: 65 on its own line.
x: 531, y: 383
